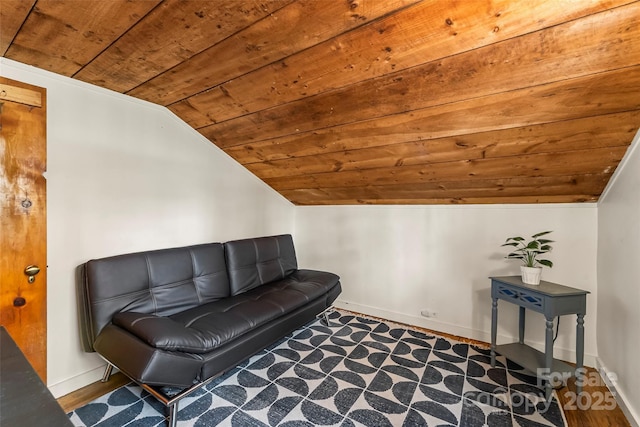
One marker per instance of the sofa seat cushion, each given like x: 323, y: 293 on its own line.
x: 204, y: 328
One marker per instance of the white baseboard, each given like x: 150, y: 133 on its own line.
x: 72, y: 384
x: 461, y: 331
x: 621, y: 399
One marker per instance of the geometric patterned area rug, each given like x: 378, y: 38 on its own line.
x: 357, y: 372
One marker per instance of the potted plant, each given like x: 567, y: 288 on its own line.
x: 528, y: 253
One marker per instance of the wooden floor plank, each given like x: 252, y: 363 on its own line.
x: 91, y: 392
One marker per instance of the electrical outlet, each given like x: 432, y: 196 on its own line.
x: 427, y: 312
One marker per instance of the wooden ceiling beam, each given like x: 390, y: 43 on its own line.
x: 426, y: 32
x: 569, y: 198
x: 594, y: 161
x: 614, y: 130
x: 64, y: 35
x: 173, y: 32
x: 281, y: 34
x: 604, y: 93
x: 498, y: 68
x: 557, y: 185
x: 13, y: 13
x: 512, y: 187
x: 538, y: 138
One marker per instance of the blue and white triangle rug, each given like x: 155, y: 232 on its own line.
x: 357, y: 372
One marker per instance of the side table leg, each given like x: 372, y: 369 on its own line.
x: 494, y: 330
x: 579, y: 353
x: 548, y: 357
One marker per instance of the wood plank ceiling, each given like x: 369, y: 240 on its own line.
x: 369, y: 101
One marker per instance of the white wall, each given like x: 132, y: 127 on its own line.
x: 123, y: 176
x: 619, y: 279
x: 396, y: 261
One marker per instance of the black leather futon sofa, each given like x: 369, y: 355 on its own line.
x: 181, y: 317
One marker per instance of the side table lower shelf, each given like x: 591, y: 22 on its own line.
x: 533, y: 360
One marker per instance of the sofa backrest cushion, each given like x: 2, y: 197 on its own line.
x: 254, y: 262
x: 161, y: 282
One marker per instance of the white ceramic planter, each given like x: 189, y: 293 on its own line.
x: 531, y: 275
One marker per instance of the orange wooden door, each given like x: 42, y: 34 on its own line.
x: 23, y: 235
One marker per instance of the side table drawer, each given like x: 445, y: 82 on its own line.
x: 521, y: 297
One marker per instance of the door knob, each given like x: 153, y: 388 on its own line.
x: 31, y: 271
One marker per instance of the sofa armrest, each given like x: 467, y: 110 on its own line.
x: 161, y: 332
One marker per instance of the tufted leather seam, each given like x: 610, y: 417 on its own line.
x: 225, y: 310
x: 165, y: 286
x: 174, y: 284
x: 279, y: 258
x: 255, y: 248
x: 143, y: 318
x: 193, y: 275
x: 212, y: 274
x: 192, y: 321
x: 121, y: 296
x: 278, y: 289
x: 249, y: 320
x: 275, y: 291
x: 239, y: 303
x: 153, y: 297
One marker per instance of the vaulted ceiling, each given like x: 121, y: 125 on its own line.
x: 369, y: 101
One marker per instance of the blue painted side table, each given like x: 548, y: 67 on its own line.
x: 550, y: 299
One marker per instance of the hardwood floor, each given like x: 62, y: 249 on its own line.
x: 91, y: 392
x: 595, y: 407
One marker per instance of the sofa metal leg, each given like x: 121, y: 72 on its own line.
x: 324, y: 316
x: 325, y: 319
x: 172, y: 420
x: 171, y: 403
x: 107, y: 373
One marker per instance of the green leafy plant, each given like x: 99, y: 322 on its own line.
x: 528, y: 252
